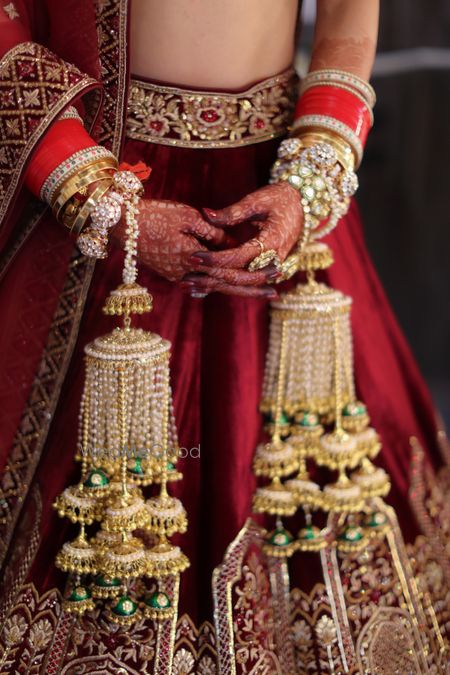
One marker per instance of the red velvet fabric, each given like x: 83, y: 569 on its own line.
x: 219, y: 346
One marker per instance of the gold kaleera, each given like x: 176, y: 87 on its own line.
x: 81, y: 505
x: 308, y: 386
x: 126, y: 417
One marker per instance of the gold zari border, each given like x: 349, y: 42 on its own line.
x: 200, y: 119
x: 35, y: 86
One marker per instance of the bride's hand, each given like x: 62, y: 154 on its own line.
x: 169, y: 232
x: 276, y: 211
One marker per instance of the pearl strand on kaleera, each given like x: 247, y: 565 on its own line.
x: 132, y: 231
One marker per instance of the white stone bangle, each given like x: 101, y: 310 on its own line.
x: 106, y: 213
x: 330, y: 75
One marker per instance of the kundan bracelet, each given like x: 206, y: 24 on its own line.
x: 332, y: 119
x: 107, y: 212
x: 324, y: 185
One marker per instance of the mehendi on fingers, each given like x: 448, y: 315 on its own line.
x: 235, y: 277
x: 203, y: 230
x: 170, y: 233
x: 211, y: 285
x: 164, y: 242
x: 277, y: 212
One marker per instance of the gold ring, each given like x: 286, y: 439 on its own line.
x: 260, y: 244
x: 264, y: 259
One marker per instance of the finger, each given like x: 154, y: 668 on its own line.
x: 236, y: 277
x: 246, y: 208
x: 237, y: 257
x: 203, y: 230
x: 217, y: 285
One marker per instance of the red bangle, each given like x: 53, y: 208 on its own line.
x: 63, y: 139
x: 339, y: 104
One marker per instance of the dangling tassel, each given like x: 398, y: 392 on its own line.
x: 314, y: 416
x: 128, y: 441
x: 276, y: 460
x: 310, y: 311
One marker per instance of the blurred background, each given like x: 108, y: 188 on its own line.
x: 404, y: 193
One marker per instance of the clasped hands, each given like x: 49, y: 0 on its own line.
x: 196, y: 249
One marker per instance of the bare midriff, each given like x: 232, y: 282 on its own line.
x: 215, y: 44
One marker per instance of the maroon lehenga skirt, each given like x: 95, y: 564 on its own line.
x: 245, y: 614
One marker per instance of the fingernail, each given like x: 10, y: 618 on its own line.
x: 271, y: 295
x: 187, y: 283
x: 209, y: 213
x: 274, y: 275
x: 200, y: 258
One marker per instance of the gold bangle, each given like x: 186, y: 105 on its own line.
x: 80, y: 178
x: 83, y: 178
x: 84, y: 212
x: 81, y: 169
x: 70, y: 212
x: 71, y: 209
x: 78, y: 186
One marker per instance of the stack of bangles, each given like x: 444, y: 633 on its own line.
x: 332, y: 119
x: 87, y: 191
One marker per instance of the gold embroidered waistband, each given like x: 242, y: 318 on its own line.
x: 200, y: 119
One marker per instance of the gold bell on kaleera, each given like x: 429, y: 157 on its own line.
x: 157, y: 606
x: 124, y: 611
x: 79, y: 600
x: 277, y: 458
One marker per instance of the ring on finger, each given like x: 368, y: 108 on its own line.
x: 259, y: 243
x: 263, y: 259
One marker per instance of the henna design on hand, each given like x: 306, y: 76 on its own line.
x: 169, y: 234
x: 201, y: 287
x: 277, y: 212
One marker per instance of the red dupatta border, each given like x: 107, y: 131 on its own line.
x: 17, y: 478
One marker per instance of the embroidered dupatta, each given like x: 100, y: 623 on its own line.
x: 53, y: 55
